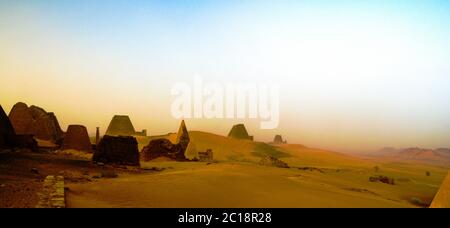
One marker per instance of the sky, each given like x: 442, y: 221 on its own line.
x: 354, y: 76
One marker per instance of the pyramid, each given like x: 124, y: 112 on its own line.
x: 191, y: 151
x: 239, y: 132
x: 120, y: 150
x: 165, y: 148
x: 77, y: 138
x: 183, y: 134
x: 7, y: 133
x: 278, y: 139
x: 120, y: 126
x: 21, y: 118
x: 35, y: 121
x: 442, y: 198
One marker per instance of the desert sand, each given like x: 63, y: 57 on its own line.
x: 316, y: 178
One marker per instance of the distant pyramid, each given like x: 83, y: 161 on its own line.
x: 279, y: 139
x: 239, y: 132
x: 120, y: 126
x: 183, y: 134
x: 442, y: 198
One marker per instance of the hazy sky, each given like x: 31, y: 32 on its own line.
x: 354, y: 76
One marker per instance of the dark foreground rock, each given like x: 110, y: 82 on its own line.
x: 120, y: 150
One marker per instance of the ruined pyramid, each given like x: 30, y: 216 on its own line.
x: 165, y: 148
x: 77, y: 138
x: 35, y: 121
x: 6, y: 131
x: 183, y: 134
x: 120, y: 125
x: 442, y: 198
x: 239, y: 132
x: 117, y: 150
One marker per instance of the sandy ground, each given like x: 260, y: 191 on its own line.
x: 22, y: 174
x: 316, y: 178
x: 223, y: 185
x: 232, y: 184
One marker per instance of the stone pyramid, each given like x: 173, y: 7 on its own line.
x: 120, y: 126
x: 77, y: 138
x: 183, y: 134
x: 278, y: 139
x: 7, y: 133
x: 165, y: 148
x: 239, y: 132
x: 442, y: 198
x: 35, y: 121
x: 117, y: 150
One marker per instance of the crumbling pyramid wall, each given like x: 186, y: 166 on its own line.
x: 117, y: 150
x: 120, y: 126
x: 35, y: 121
x: 442, y: 198
x: 7, y: 133
x: 183, y: 135
x: 239, y: 132
x: 165, y: 148
x: 77, y: 138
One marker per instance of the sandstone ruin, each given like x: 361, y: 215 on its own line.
x: 165, y: 148
x: 183, y: 135
x: 279, y: 140
x: 8, y: 137
x: 206, y: 156
x: 77, y: 138
x: 7, y: 133
x: 122, y: 126
x: 274, y: 162
x: 26, y: 142
x: 117, y: 150
x: 239, y: 132
x: 35, y: 121
x: 442, y: 198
